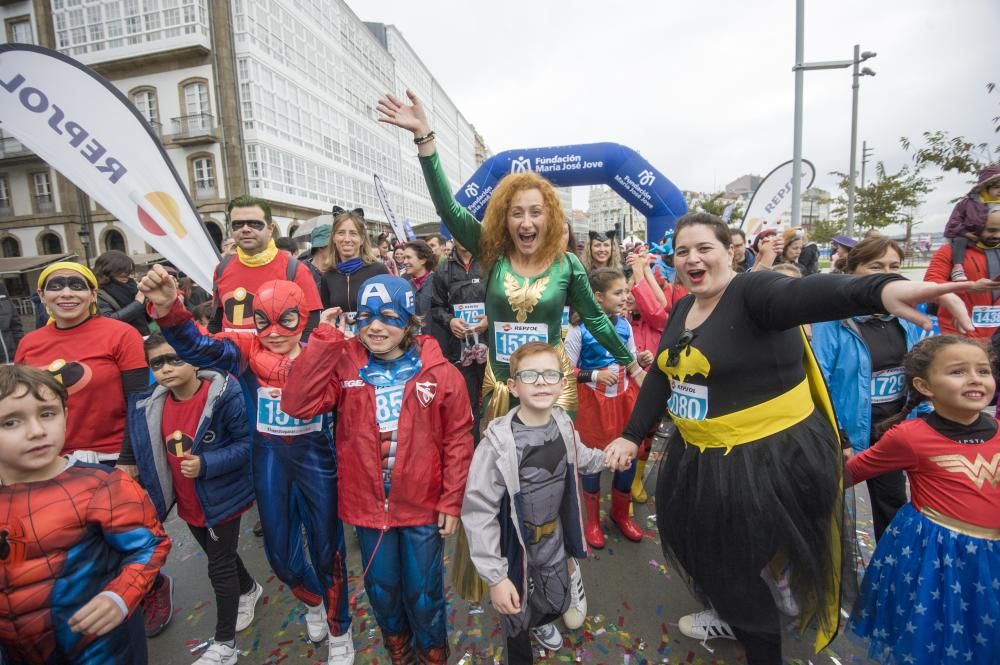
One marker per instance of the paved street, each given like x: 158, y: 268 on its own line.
x: 635, y: 602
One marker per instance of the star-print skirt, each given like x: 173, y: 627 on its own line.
x: 931, y: 595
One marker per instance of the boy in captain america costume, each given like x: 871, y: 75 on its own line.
x: 294, y: 467
x: 404, y: 429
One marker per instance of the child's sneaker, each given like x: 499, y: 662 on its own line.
x: 158, y: 605
x: 577, y: 611
x: 958, y: 274
x: 548, y: 636
x: 341, y: 649
x: 781, y: 591
x: 705, y: 625
x: 316, y: 626
x: 248, y: 602
x: 218, y: 654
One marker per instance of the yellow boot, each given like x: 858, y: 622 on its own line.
x: 638, y: 489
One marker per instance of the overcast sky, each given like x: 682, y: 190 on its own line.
x: 704, y: 88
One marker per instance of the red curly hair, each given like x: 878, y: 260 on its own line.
x: 496, y: 241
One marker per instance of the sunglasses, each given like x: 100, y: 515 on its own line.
x: 157, y: 363
x: 530, y: 376
x: 255, y: 224
x: 59, y: 283
x: 674, y: 351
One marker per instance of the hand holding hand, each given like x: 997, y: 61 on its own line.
x: 619, y: 454
x: 505, y: 598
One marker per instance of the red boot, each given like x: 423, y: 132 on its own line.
x: 620, y: 502
x: 592, y: 526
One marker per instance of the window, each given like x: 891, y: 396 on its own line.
x: 51, y: 244
x: 5, y: 206
x: 203, y: 172
x: 215, y: 233
x: 10, y: 246
x: 19, y: 30
x: 196, y: 105
x: 114, y: 240
x: 42, y: 191
x: 145, y: 101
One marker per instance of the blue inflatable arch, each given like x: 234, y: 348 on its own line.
x: 623, y: 169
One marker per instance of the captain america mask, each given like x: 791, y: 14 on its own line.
x: 278, y: 309
x: 387, y: 299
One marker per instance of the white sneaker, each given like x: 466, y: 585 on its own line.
x: 577, y: 610
x: 548, y: 636
x: 248, y: 602
x: 705, y: 625
x: 316, y: 626
x: 341, y: 649
x: 218, y: 654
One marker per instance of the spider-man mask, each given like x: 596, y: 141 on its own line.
x: 279, y: 309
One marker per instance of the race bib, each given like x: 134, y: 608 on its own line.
x: 687, y: 400
x: 508, y: 336
x: 388, y: 403
x: 352, y: 322
x: 564, y: 322
x: 470, y: 312
x: 272, y: 420
x: 887, y: 385
x: 985, y: 317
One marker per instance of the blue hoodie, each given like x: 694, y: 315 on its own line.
x: 225, y: 485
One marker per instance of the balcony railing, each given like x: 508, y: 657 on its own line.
x: 45, y: 204
x: 157, y: 128
x: 194, y: 128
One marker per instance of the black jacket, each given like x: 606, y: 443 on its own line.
x: 11, y: 330
x: 340, y: 290
x: 453, y: 285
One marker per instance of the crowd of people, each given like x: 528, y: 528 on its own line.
x: 477, y: 387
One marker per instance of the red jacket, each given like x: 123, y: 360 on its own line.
x: 939, y: 271
x: 434, y: 446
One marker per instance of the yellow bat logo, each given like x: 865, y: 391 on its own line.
x: 691, y: 361
x: 978, y: 471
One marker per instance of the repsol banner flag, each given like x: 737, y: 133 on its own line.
x: 82, y: 126
x: 773, y: 197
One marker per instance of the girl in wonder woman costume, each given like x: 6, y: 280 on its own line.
x: 931, y: 593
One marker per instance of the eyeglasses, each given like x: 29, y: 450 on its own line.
x: 530, y: 376
x: 674, y: 352
x: 255, y: 224
x: 59, y: 283
x: 157, y: 363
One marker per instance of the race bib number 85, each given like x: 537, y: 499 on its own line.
x: 272, y: 420
x: 687, y: 400
x: 388, y: 401
x: 508, y: 336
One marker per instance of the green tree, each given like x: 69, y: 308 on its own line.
x: 716, y: 205
x: 886, y: 200
x: 823, y: 230
x: 954, y: 153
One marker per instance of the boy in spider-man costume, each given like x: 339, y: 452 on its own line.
x: 404, y: 429
x: 79, y: 543
x: 294, y: 465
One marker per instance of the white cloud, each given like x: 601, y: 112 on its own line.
x: 705, y: 89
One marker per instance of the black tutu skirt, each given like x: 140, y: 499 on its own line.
x: 761, y: 533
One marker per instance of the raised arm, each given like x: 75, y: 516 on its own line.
x: 591, y: 314
x: 412, y: 117
x: 312, y: 387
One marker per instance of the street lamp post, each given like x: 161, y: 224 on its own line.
x: 800, y: 67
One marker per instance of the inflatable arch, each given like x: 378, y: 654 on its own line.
x: 623, y: 169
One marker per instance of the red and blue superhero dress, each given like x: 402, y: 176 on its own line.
x: 294, y: 462
x: 87, y: 531
x: 931, y: 594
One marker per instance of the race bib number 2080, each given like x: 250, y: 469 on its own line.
x: 687, y: 400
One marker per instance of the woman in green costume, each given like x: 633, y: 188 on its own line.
x: 529, y: 279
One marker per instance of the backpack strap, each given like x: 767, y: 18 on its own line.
x: 218, y: 273
x: 291, y: 269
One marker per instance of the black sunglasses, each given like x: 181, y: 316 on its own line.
x: 674, y: 351
x: 59, y: 283
x: 255, y: 224
x: 157, y: 363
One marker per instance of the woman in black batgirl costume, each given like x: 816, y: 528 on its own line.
x: 749, y: 497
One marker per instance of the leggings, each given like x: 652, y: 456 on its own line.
x: 622, y: 480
